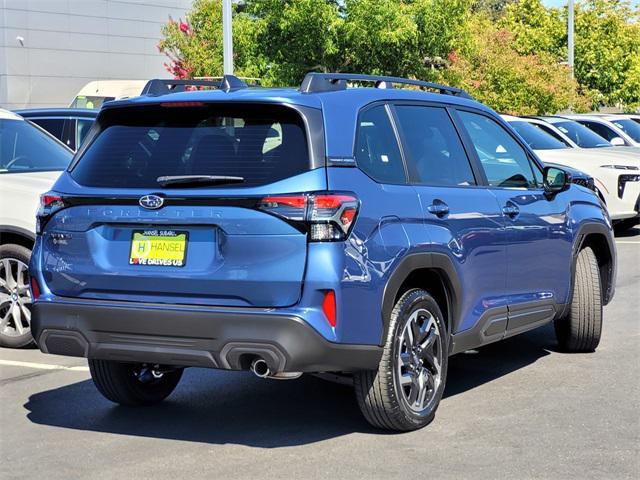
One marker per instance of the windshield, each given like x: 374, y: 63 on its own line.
x: 581, y: 135
x: 83, y: 101
x: 629, y: 127
x: 259, y: 143
x: 25, y: 148
x: 536, y: 138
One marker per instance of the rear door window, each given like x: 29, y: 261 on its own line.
x: 436, y: 154
x: 377, y: 151
x: 262, y: 144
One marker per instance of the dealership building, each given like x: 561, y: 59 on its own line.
x: 50, y: 49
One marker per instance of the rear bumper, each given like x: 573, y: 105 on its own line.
x: 191, y: 336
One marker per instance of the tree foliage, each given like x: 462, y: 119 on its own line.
x: 607, y: 43
x: 509, y: 53
x: 495, y: 73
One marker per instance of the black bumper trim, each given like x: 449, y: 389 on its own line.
x: 193, y: 337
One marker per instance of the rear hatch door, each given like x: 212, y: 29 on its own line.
x: 125, y: 235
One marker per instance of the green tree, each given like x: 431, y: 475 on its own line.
x: 607, y: 43
x: 495, y: 73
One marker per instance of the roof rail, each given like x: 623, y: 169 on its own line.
x: 159, y: 86
x: 329, y: 82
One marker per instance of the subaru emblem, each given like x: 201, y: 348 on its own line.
x: 152, y: 202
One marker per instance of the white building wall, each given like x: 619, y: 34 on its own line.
x: 68, y: 43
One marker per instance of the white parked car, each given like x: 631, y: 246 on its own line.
x: 616, y: 174
x: 30, y: 162
x: 620, y: 130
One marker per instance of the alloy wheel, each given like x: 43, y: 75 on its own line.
x: 15, y: 298
x: 419, y: 363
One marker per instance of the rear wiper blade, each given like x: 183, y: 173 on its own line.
x: 197, y: 180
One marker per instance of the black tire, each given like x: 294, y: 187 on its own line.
x: 580, y: 330
x: 10, y: 336
x: 120, y: 383
x: 383, y: 401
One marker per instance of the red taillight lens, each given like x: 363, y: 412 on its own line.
x: 50, y: 202
x: 46, y: 199
x: 330, y: 215
x: 35, y: 289
x: 329, y: 307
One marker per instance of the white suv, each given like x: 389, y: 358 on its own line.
x: 616, y: 173
x: 30, y: 161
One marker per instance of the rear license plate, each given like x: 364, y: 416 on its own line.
x: 165, y: 248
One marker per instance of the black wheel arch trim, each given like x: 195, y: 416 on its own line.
x: 23, y: 232
x: 438, y: 262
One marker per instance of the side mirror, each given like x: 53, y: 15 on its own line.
x: 617, y: 142
x: 556, y: 180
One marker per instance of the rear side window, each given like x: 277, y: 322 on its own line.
x: 55, y: 126
x: 435, y: 150
x: 260, y: 143
x: 377, y: 151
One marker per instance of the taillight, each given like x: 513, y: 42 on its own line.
x: 330, y: 216
x: 50, y: 203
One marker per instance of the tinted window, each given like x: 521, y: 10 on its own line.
x: 580, y: 134
x: 83, y: 127
x: 434, y: 148
x: 602, y: 130
x: 25, y: 148
x: 139, y: 145
x: 55, y: 126
x: 377, y: 151
x: 629, y: 127
x: 536, y: 138
x: 504, y: 161
x: 553, y: 133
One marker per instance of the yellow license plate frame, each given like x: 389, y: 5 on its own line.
x: 158, y: 247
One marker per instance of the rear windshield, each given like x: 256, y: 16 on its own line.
x: 260, y: 143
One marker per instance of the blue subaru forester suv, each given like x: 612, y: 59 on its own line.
x: 371, y: 231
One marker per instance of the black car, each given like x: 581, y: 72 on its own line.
x: 69, y: 125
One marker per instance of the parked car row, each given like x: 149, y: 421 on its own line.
x: 570, y: 141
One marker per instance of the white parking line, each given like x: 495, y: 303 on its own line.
x: 628, y: 242
x: 42, y: 366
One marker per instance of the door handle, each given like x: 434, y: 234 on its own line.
x: 511, y: 210
x: 438, y: 208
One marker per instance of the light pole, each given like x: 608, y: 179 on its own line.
x: 570, y: 29
x: 227, y: 37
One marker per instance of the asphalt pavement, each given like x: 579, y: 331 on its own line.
x: 518, y: 409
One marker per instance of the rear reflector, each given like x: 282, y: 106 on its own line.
x: 35, y: 289
x: 329, y: 307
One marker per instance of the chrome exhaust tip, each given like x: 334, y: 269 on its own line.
x: 260, y: 368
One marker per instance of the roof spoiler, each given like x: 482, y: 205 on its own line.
x: 330, y: 82
x: 159, y: 86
